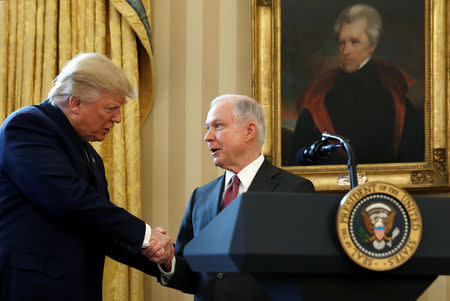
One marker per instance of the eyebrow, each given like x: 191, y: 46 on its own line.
x: 113, y: 106
x: 208, y: 123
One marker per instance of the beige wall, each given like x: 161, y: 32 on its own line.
x: 202, y: 48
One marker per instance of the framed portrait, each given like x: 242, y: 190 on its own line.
x: 374, y: 72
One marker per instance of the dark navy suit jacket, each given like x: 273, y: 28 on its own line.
x: 56, y: 220
x: 203, y: 206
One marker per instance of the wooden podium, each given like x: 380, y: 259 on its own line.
x: 288, y: 242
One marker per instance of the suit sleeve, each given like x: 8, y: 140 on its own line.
x: 184, y: 278
x: 137, y: 261
x: 34, y: 158
x: 304, y: 186
x: 288, y: 182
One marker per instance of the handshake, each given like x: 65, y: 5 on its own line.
x: 160, y: 249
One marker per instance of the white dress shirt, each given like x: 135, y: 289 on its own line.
x: 246, y: 176
x: 148, y: 233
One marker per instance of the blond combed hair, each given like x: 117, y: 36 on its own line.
x: 86, y: 76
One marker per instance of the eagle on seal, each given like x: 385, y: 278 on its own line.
x: 379, y: 227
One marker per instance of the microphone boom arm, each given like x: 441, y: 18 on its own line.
x: 351, y: 163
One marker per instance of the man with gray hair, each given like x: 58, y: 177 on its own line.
x: 235, y: 134
x: 57, y: 222
x: 364, y: 99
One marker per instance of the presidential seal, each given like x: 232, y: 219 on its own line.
x: 379, y: 226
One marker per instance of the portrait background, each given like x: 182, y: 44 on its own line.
x: 308, y: 46
x: 427, y: 56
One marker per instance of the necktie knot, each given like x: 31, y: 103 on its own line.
x: 231, y: 192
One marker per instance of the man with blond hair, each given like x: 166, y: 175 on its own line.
x: 57, y: 221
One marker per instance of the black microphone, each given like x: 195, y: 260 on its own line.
x: 319, y: 149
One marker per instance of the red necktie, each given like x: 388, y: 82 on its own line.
x: 231, y: 192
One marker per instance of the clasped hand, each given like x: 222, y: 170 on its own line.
x: 160, y: 249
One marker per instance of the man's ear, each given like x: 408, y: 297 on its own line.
x: 372, y: 49
x: 252, y: 130
x: 74, y: 104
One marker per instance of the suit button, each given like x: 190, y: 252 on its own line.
x: 220, y: 275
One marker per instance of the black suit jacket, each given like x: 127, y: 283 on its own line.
x: 203, y: 206
x: 56, y: 220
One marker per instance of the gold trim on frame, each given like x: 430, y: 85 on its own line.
x: 432, y: 174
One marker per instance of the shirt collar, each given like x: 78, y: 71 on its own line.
x: 362, y: 64
x: 247, y: 174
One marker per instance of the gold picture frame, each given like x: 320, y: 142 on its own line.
x: 431, y: 174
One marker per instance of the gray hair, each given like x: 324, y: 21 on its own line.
x: 86, y: 76
x: 246, y: 108
x: 356, y: 12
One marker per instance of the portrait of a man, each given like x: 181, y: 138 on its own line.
x: 360, y: 96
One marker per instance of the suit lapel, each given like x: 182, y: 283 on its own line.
x: 264, y: 179
x: 264, y: 182
x: 214, y: 197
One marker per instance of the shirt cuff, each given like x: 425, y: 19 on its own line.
x: 165, y: 276
x: 148, y: 233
